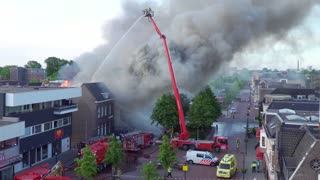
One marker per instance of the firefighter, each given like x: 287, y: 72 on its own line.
x: 254, y: 166
x: 169, y: 172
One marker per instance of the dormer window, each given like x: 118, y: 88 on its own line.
x: 105, y: 95
x: 301, y: 97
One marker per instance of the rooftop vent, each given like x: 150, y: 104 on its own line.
x: 287, y: 111
x: 295, y: 118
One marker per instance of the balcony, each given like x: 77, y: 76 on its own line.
x: 64, y: 109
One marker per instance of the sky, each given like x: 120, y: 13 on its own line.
x: 38, y: 29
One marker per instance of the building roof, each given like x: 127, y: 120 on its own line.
x: 22, y: 89
x: 293, y: 91
x: 295, y: 105
x: 289, y: 139
x: 98, y: 90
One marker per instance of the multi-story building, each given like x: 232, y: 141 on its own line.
x: 96, y: 113
x: 25, y: 75
x: 278, y: 114
x: 47, y: 113
x: 10, y: 130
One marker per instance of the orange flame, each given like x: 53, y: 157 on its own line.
x: 65, y: 83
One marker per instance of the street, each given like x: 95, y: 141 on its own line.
x: 231, y: 127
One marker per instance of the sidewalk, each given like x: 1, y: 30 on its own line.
x: 251, y: 156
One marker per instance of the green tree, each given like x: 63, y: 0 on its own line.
x: 35, y: 80
x: 149, y: 171
x: 33, y: 64
x: 167, y: 154
x: 114, y: 155
x: 53, y: 66
x: 165, y: 112
x: 87, y: 166
x: 204, y: 110
x: 5, y: 72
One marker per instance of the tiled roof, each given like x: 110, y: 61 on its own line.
x: 295, y: 105
x: 96, y: 89
x: 293, y: 91
x: 315, y: 132
x: 289, y: 139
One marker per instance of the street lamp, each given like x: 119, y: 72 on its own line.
x: 247, y: 128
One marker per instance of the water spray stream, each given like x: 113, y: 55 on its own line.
x: 114, y: 47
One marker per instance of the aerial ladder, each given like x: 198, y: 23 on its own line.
x: 184, y: 135
x: 183, y: 141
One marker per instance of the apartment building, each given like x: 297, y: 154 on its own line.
x: 96, y: 113
x: 47, y: 114
x: 10, y: 130
x: 279, y: 114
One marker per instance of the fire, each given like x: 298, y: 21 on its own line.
x: 65, y: 83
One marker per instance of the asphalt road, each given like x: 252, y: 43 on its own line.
x: 231, y: 127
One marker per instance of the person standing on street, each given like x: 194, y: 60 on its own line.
x: 254, y: 166
x: 169, y: 172
x: 238, y: 145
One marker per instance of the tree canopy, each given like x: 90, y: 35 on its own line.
x: 150, y: 171
x: 114, y: 154
x: 87, y: 166
x: 165, y: 111
x: 204, y: 109
x: 5, y: 72
x: 53, y: 66
x: 167, y: 154
x: 33, y: 64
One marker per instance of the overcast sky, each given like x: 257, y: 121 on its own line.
x: 38, y: 29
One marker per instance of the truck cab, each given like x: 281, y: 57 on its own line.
x: 201, y: 157
x: 227, y: 166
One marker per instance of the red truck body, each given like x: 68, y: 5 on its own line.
x: 38, y: 173
x: 99, y: 149
x: 137, y: 140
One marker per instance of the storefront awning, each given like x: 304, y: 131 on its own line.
x: 259, y: 132
x: 259, y: 154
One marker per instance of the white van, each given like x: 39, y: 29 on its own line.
x: 201, y: 157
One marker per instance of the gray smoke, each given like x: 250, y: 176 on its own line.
x: 202, y: 36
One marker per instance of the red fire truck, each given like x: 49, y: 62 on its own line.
x: 99, y: 149
x: 43, y: 172
x: 137, y: 140
x: 182, y: 141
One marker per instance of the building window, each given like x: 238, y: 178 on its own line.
x: 26, y: 107
x: 38, y: 154
x: 263, y: 141
x: 45, y: 151
x: 98, y: 130
x: 47, y: 126
x: 110, y: 109
x: 36, y: 129
x: 25, y: 159
x: 98, y: 114
x: 66, y: 121
x: 27, y: 131
x: 105, y: 110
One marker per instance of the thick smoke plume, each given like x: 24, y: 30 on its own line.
x: 202, y: 36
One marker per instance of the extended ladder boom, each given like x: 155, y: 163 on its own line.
x: 184, y: 135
